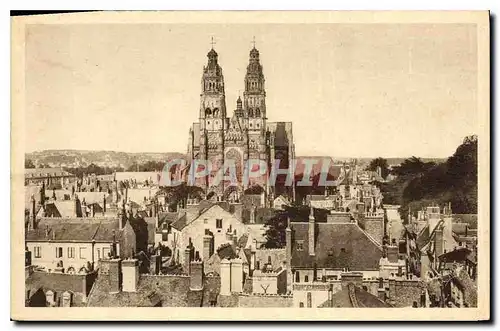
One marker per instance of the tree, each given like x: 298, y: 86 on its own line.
x: 379, y: 162
x: 28, y: 164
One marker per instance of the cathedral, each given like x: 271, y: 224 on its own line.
x: 243, y: 134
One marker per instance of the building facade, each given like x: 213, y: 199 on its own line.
x: 222, y: 138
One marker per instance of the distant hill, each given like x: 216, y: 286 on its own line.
x: 83, y: 158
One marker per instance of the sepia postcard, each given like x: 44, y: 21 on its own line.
x: 229, y: 166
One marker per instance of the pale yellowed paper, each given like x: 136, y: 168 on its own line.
x: 19, y: 138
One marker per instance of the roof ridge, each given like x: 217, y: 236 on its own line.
x: 379, y: 246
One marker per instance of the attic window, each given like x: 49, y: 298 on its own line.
x: 300, y: 245
x: 342, y: 250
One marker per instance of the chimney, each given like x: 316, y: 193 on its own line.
x: 381, y: 290
x: 196, y: 280
x: 225, y: 277
x: 187, y: 261
x: 252, y: 214
x: 84, y: 208
x: 393, y: 254
x: 439, y: 242
x: 235, y: 239
x: 330, y: 295
x: 237, y: 275
x: 130, y: 271
x: 253, y: 252
x: 115, y: 275
x: 288, y: 236
x: 155, y: 264
x: 312, y: 233
x: 27, y: 257
x: 207, y: 246
x: 77, y: 211
x: 32, y: 220
x: 104, y: 203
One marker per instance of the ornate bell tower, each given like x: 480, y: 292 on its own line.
x: 254, y: 103
x: 212, y: 113
x: 255, y: 94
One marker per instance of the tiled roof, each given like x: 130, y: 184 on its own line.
x: 338, y: 245
x: 76, y: 229
x: 168, y: 291
x: 180, y: 223
x: 59, y: 283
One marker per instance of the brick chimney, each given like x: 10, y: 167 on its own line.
x: 115, y: 275
x: 155, y: 264
x: 130, y: 271
x: 196, y: 280
x: 330, y: 295
x: 187, y: 261
x: 312, y: 234
x: 381, y: 290
x: 439, y: 241
x: 32, y: 220
x: 207, y: 246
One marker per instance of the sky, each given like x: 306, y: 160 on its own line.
x: 351, y: 90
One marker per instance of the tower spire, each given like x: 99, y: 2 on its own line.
x: 253, y: 42
x: 212, y: 42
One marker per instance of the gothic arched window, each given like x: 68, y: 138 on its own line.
x: 208, y: 112
x: 216, y: 112
x: 257, y: 112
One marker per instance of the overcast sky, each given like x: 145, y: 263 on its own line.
x: 350, y: 90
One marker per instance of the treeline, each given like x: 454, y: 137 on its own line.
x: 147, y: 166
x: 419, y: 183
x: 92, y: 169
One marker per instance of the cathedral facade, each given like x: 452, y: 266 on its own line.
x: 239, y: 135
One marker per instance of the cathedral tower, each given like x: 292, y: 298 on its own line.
x: 212, y: 113
x: 255, y: 94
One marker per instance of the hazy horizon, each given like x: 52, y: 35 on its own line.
x: 354, y: 90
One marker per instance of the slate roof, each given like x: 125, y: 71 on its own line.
x: 152, y: 290
x: 338, y: 246
x: 74, y: 230
x: 361, y: 299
